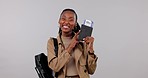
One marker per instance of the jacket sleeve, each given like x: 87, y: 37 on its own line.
x: 56, y: 63
x: 91, y: 63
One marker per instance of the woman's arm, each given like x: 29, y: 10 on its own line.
x: 91, y: 57
x: 56, y: 63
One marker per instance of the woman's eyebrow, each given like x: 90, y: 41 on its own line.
x: 71, y: 17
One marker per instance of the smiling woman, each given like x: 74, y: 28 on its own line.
x: 75, y: 59
x: 68, y: 18
x: 67, y: 22
x: 120, y: 31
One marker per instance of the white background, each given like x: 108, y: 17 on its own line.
x: 120, y: 31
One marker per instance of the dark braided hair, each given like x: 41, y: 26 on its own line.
x: 77, y: 27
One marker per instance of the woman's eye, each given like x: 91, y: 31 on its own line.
x: 63, y: 19
x: 71, y: 20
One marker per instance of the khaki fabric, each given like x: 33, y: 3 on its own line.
x: 85, y: 64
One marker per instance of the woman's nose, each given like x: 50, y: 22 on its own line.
x: 66, y: 22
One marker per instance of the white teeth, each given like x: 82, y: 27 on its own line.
x: 65, y: 27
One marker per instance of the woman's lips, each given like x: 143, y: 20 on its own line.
x: 66, y: 27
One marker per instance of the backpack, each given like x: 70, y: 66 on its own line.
x: 41, y: 62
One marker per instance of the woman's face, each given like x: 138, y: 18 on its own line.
x: 67, y: 21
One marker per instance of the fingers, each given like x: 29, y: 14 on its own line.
x: 88, y: 39
x: 74, y: 40
x: 78, y: 32
x: 76, y: 35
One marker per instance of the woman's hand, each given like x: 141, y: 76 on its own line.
x: 73, y: 42
x: 89, y: 41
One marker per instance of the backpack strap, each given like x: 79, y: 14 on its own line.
x: 55, y: 46
x: 55, y: 41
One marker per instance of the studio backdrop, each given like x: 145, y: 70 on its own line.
x: 120, y: 32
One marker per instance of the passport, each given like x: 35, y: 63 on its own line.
x: 86, y: 29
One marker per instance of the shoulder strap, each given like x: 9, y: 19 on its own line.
x: 55, y: 46
x: 55, y: 41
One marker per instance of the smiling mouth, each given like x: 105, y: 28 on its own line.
x: 65, y: 27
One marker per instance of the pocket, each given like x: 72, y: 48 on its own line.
x: 83, y: 67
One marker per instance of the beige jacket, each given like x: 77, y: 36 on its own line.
x: 85, y: 64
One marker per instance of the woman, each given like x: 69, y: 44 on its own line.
x: 75, y: 59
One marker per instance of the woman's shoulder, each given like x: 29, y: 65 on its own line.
x: 51, y: 39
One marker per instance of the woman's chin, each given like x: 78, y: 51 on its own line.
x: 66, y: 30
